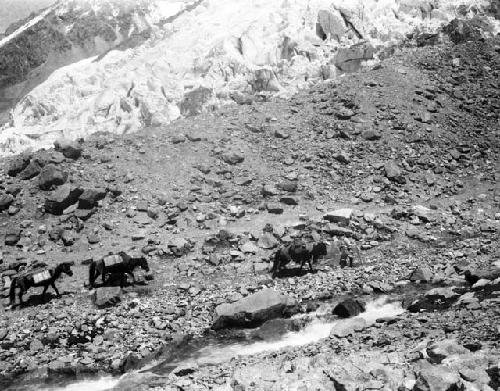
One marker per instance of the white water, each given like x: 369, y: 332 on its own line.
x: 315, y: 331
x: 102, y: 384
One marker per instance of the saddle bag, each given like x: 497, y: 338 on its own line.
x: 111, y: 260
x: 41, y: 276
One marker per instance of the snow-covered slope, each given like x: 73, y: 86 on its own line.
x: 203, y: 53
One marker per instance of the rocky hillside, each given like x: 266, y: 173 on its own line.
x: 147, y: 63
x: 400, y: 160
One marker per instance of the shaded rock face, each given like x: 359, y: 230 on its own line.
x: 253, y: 310
x: 348, y: 308
x: 51, y: 176
x: 61, y: 198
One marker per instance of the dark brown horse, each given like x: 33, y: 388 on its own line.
x: 120, y: 263
x: 41, y: 277
x: 298, y: 252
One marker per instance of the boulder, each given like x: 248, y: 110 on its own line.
x: 51, y: 176
x: 393, y: 172
x: 61, y: 198
x: 267, y: 241
x: 423, y: 274
x: 436, y: 378
x: 5, y: 201
x: 348, y: 59
x: 107, y: 296
x: 435, y: 299
x: 438, y: 351
x: 339, y: 216
x: 12, y: 236
x: 473, y: 276
x: 330, y: 25
x: 253, y: 310
x: 348, y: 308
x: 70, y: 149
x: 195, y: 100
x: 18, y: 164
x: 274, y: 208
x: 348, y: 327
x: 89, y: 198
x: 32, y: 170
x: 233, y: 157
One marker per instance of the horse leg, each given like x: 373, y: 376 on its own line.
x: 53, y: 285
x: 20, y: 295
x: 44, y: 291
x: 309, y: 261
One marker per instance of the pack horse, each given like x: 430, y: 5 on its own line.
x: 36, y: 278
x: 300, y: 253
x: 120, y: 263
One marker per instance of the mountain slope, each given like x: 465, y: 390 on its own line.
x: 214, y: 52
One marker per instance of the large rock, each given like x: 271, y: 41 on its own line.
x: 233, y: 157
x: 330, y: 25
x: 473, y: 276
x: 12, y: 236
x: 31, y: 170
x: 18, y: 164
x: 438, y: 351
x: 5, y: 201
x: 423, y: 274
x: 70, y: 149
x: 51, y: 176
x: 107, y: 296
x: 339, y: 216
x: 195, y: 100
x: 348, y: 327
x: 89, y: 198
x: 394, y: 172
x: 348, y: 59
x: 437, y: 378
x: 348, y: 308
x: 61, y: 198
x: 253, y: 310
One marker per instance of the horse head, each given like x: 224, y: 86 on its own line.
x: 66, y: 268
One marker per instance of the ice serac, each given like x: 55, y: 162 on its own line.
x: 119, y: 66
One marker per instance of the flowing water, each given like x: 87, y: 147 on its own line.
x: 317, y: 326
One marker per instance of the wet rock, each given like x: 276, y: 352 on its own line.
x: 89, y: 198
x: 6, y: 200
x: 348, y: 327
x: 252, y: 310
x: 106, y: 297
x: 70, y: 149
x: 51, y: 176
x: 435, y: 299
x: 62, y: 198
x: 289, y: 201
x: 349, y: 308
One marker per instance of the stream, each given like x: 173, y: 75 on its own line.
x: 300, y: 330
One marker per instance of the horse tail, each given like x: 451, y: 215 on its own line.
x: 12, y: 291
x: 92, y: 268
